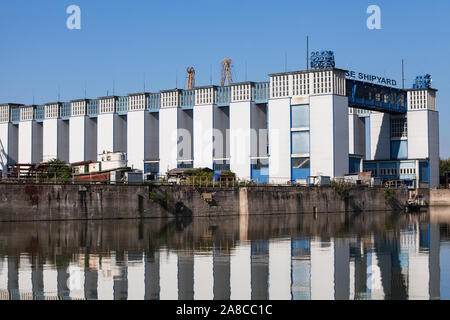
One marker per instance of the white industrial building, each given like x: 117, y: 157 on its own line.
x: 317, y: 122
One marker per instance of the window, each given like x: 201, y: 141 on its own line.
x: 399, y: 128
x: 300, y: 116
x: 300, y: 142
x: 300, y: 163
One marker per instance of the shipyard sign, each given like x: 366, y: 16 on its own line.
x: 370, y: 78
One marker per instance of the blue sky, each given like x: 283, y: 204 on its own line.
x: 123, y: 42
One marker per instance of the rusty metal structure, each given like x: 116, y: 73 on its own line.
x: 191, y: 78
x: 226, y: 72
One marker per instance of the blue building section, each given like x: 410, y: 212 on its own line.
x: 370, y: 96
x: 300, y: 168
x: 260, y: 170
x: 399, y: 149
x: 354, y: 164
x: 424, y: 172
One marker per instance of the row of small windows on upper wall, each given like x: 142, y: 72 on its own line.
x: 392, y: 171
x: 407, y: 170
x: 4, y: 113
x: 422, y: 99
x: 107, y: 105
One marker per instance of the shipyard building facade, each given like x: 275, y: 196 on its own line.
x: 318, y: 122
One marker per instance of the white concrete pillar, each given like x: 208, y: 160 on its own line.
x: 240, y: 272
x: 136, y: 283
x: 9, y: 138
x: 106, y: 275
x: 322, y: 270
x: 279, y: 131
x: 30, y: 142
x: 240, y: 139
x: 76, y: 279
x: 329, y: 135
x: 168, y: 269
x: 380, y: 136
x: 82, y: 139
x: 112, y: 133
x: 168, y: 133
x: 280, y: 262
x: 203, y: 277
x: 55, y: 139
x: 50, y: 276
x: 25, y: 282
x: 203, y: 136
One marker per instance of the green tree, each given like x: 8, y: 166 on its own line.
x: 445, y: 166
x: 58, y: 169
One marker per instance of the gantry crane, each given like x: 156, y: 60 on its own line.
x: 191, y: 78
x: 226, y: 71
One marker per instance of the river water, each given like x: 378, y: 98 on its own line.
x: 301, y: 257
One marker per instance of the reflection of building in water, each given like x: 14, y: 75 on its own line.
x: 301, y: 269
x: 393, y: 265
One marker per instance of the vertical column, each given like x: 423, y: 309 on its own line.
x: 203, y: 136
x: 185, y: 135
x: 13, y: 277
x: 360, y: 275
x: 63, y: 282
x: 280, y: 262
x: 203, y: 277
x: 55, y: 139
x: 4, y: 276
x: 357, y: 141
x: 112, y: 128
x: 301, y: 270
x: 423, y: 131
x: 221, y: 263
x: 50, y: 281
x: 168, y: 139
x: 37, y: 279
x: 9, y: 137
x: 260, y: 270
x: 121, y: 277
x: 106, y: 275
x: 106, y: 132
x: 25, y: 278
x: 137, y: 137
x: 168, y: 276
x: 185, y: 276
x: 76, y: 272
x: 342, y: 269
x: 419, y: 272
x: 91, y: 280
x: 152, y: 276
x: 240, y: 136
x: 435, y: 270
x: 240, y: 272
x: 380, y: 135
x: 329, y: 135
x: 375, y: 289
x: 322, y: 270
x: 30, y: 142
x: 82, y: 139
x: 221, y: 134
x: 136, y: 273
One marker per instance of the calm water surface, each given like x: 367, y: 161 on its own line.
x: 300, y: 257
